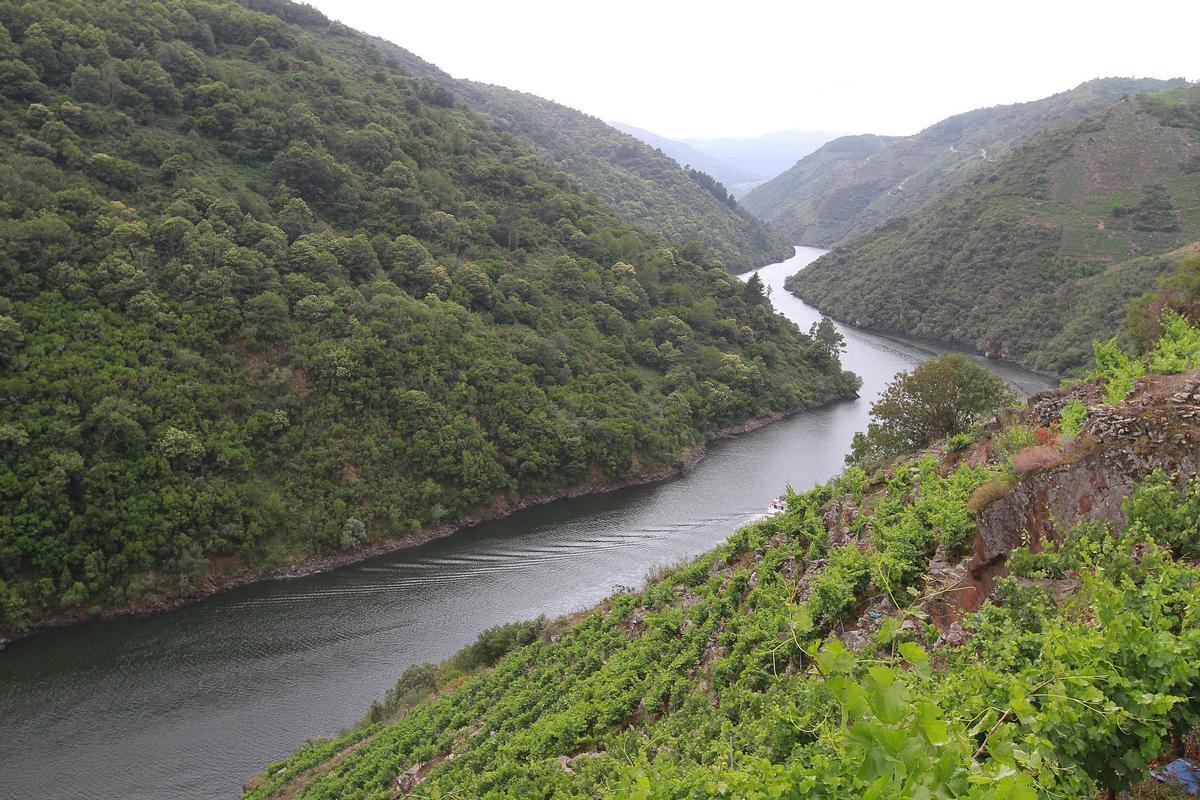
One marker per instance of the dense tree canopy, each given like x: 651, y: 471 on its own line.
x: 942, y: 397
x: 264, y: 293
x: 640, y: 183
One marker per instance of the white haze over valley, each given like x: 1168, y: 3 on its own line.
x: 709, y: 69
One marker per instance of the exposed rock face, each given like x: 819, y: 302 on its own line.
x: 950, y: 589
x: 407, y: 781
x: 954, y: 636
x: 567, y: 763
x: 1156, y: 427
x: 1055, y: 485
x: 837, y: 516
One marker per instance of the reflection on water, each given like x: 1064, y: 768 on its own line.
x: 192, y: 703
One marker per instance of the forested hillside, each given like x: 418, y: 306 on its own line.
x: 1009, y: 614
x: 266, y: 294
x: 640, y: 183
x: 1040, y: 253
x: 854, y: 184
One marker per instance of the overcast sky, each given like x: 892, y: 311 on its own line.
x: 699, y: 69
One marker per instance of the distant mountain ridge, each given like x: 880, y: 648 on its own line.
x: 727, y: 173
x: 1039, y: 253
x: 767, y: 155
x: 740, y: 164
x: 642, y: 185
x: 853, y: 184
x: 800, y: 202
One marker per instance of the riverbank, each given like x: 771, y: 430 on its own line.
x: 947, y: 344
x: 186, y: 704
x: 318, y: 563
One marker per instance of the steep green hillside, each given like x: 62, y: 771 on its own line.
x: 854, y: 184
x: 1039, y: 254
x: 264, y: 294
x: 641, y: 184
x: 866, y: 643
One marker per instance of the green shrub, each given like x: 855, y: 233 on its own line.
x: 1159, y: 510
x: 414, y: 685
x: 495, y: 643
x: 1072, y: 417
x: 959, y: 442
x: 1115, y: 368
x: 116, y: 172
x: 1012, y: 439
x: 1178, y: 350
x: 835, y: 588
x: 942, y: 397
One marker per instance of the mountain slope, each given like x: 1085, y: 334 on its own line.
x: 266, y: 295
x: 643, y: 185
x: 828, y: 198
x: 868, y: 642
x: 1038, y: 254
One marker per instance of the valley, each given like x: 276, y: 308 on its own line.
x: 243, y: 678
x: 373, y: 428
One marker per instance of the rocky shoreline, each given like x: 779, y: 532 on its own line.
x: 312, y: 565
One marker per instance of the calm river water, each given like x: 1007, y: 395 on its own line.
x: 192, y: 703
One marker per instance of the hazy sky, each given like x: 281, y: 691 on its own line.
x: 695, y: 69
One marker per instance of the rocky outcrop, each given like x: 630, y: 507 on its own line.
x: 409, y: 779
x: 1156, y: 427
x: 837, y: 517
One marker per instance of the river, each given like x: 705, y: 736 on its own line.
x: 192, y: 703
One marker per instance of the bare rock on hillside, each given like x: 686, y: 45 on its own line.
x: 1156, y: 427
x: 407, y: 781
x: 838, y: 515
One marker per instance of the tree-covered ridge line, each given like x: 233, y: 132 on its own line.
x: 639, y: 182
x: 266, y: 295
x: 853, y: 646
x: 1039, y: 254
x: 857, y: 183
